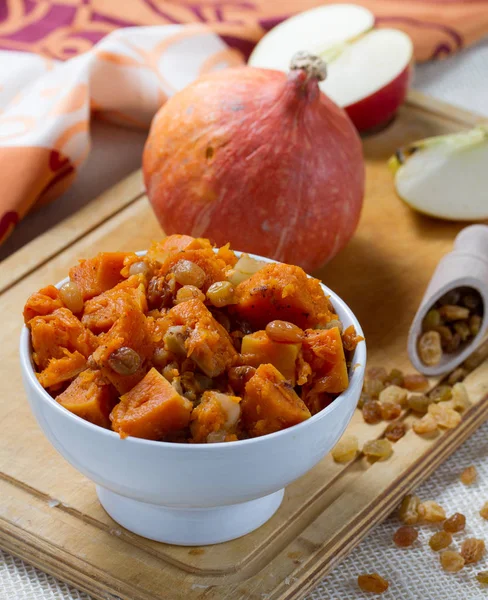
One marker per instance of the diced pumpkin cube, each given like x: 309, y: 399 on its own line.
x: 43, y: 302
x: 216, y: 412
x: 173, y: 244
x: 52, y: 334
x: 102, y: 311
x: 208, y: 343
x: 270, y: 403
x: 151, y: 410
x: 89, y: 397
x: 62, y: 369
x: 279, y: 291
x: 323, y: 350
x: 259, y: 349
x: 96, y: 275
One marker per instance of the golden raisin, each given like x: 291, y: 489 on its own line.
x: 372, y: 412
x: 189, y: 292
x: 372, y: 582
x: 378, y: 373
x: 482, y: 577
x: 71, y: 296
x: 441, y: 393
x: 457, y: 375
x: 395, y: 394
x: 469, y: 475
x: 390, y: 411
x: 431, y: 320
x: 429, y: 348
x: 415, y: 382
x: 455, y: 523
x: 475, y: 324
x: 472, y: 550
x: 284, y: 331
x: 221, y: 293
x: 484, y: 511
x: 239, y: 376
x: 345, y: 449
x: 395, y: 431
x: 378, y: 449
x: 419, y: 402
x: 363, y: 398
x: 440, y: 540
x: 460, y: 398
x: 408, y: 511
x: 395, y: 377
x: 189, y: 273
x: 444, y: 415
x: 124, y: 361
x: 451, y: 561
x: 431, y: 512
x: 373, y: 387
x: 140, y: 268
x: 451, y: 312
x: 426, y: 425
x: 462, y: 328
x: 405, y: 536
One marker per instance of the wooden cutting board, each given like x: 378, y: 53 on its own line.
x: 49, y: 514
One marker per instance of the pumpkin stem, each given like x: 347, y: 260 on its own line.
x: 314, y: 66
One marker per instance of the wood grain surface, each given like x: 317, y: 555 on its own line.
x: 49, y: 513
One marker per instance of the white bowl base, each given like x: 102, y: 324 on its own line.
x: 192, y: 526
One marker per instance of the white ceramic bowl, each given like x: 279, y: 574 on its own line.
x: 193, y: 494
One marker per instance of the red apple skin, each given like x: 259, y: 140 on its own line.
x: 379, y: 108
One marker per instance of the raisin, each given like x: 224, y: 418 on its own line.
x: 419, y: 403
x: 395, y: 431
x: 124, y: 361
x: 395, y: 394
x: 189, y: 273
x: 482, y: 577
x: 462, y: 329
x: 469, y: 475
x: 429, y: 348
x: 415, y: 382
x: 378, y: 449
x: 159, y: 294
x: 372, y: 412
x: 472, y: 550
x: 426, y: 425
x: 442, y: 393
x: 457, y: 375
x: 475, y: 324
x: 440, y: 540
x: 460, y: 398
x: 431, y: 512
x: 285, y: 332
x: 453, y: 344
x: 484, y: 511
x: 345, y: 449
x: 445, y: 416
x: 372, y: 582
x: 408, y: 511
x: 455, y: 523
x: 363, y: 398
x: 378, y: 373
x: 431, y: 320
x: 221, y: 293
x: 471, y: 301
x: 390, y: 411
x: 373, y: 387
x: 451, y: 561
x: 452, y: 312
x: 239, y: 376
x: 395, y: 377
x: 405, y: 536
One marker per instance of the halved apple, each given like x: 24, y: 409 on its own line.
x: 368, y: 69
x: 445, y: 176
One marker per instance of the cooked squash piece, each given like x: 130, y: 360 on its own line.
x: 89, y: 397
x: 323, y: 350
x: 62, y: 369
x: 101, y: 312
x: 216, y: 413
x: 43, y: 302
x: 258, y: 349
x: 214, y: 267
x: 208, y: 343
x: 151, y: 410
x: 350, y: 339
x: 130, y: 330
x: 96, y: 275
x: 52, y: 334
x: 173, y: 244
x: 279, y: 291
x: 270, y: 403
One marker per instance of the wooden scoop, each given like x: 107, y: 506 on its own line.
x: 465, y: 266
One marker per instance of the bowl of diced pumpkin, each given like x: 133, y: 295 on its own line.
x: 191, y: 383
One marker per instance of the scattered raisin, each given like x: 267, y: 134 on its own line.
x: 71, y: 296
x: 482, y: 577
x: 140, y: 268
x: 373, y: 387
x: 460, y: 398
x: 395, y: 377
x: 484, y: 511
x: 345, y: 449
x: 390, y: 411
x: 189, y: 273
x: 431, y: 320
x: 440, y: 540
x: 378, y: 449
x: 189, y: 292
x: 221, y: 293
x: 408, y: 511
x: 457, y: 375
x: 455, y: 523
x: 405, y: 536
x: 472, y: 550
x: 373, y: 583
x: 419, y: 403
x: 395, y: 431
x: 441, y: 393
x: 431, y: 512
x: 426, y: 425
x: 444, y: 416
x: 469, y: 475
x: 451, y: 561
x: 415, y: 382
x: 378, y: 373
x: 159, y: 294
x: 372, y: 412
x: 395, y: 394
x: 363, y: 398
x: 239, y: 376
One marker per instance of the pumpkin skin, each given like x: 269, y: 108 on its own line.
x: 260, y: 159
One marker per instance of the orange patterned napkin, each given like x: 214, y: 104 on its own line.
x: 45, y: 105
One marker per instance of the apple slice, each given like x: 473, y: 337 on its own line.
x: 368, y: 69
x: 445, y: 176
